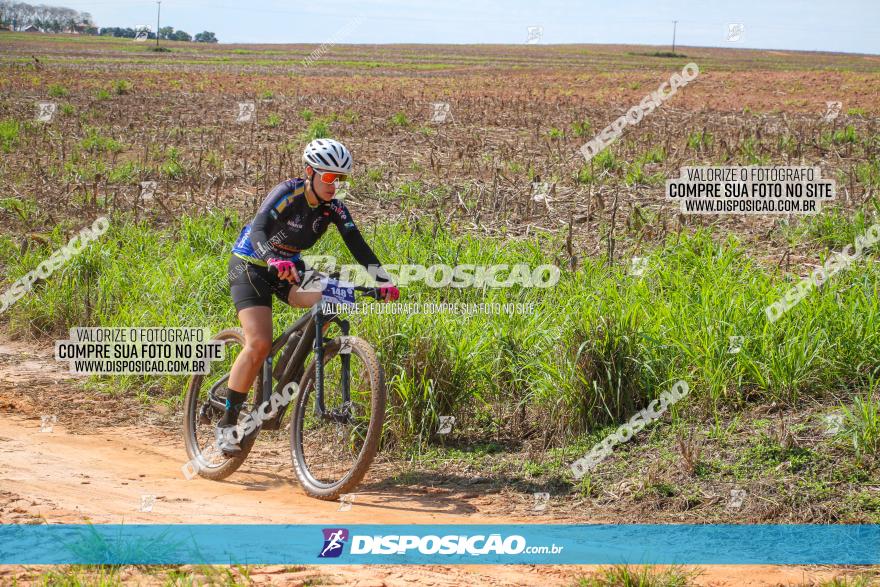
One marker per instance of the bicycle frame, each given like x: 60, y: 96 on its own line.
x: 330, y: 412
x: 311, y: 325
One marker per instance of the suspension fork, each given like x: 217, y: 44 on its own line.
x: 346, y: 365
x: 318, y: 346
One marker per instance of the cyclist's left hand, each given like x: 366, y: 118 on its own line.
x: 389, y: 292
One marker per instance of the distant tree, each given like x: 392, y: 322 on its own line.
x: 181, y: 36
x: 19, y: 15
x: 115, y: 31
x: 205, y: 37
x: 126, y: 33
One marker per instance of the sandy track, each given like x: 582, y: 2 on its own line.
x: 99, y: 473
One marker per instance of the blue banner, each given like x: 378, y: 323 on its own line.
x: 440, y: 544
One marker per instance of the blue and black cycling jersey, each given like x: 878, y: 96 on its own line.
x: 286, y: 224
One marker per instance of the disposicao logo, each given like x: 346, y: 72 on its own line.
x: 334, y: 541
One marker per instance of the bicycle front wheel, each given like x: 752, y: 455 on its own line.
x: 332, y: 451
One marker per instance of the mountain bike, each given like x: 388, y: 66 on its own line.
x: 338, y: 406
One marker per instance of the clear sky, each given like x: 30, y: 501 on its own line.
x: 838, y: 25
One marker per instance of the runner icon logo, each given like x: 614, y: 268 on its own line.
x: 334, y: 541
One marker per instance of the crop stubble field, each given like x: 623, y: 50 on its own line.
x: 518, y: 116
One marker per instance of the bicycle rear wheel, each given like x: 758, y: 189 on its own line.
x: 203, y: 409
x: 331, y: 454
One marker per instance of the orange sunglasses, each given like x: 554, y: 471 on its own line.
x: 330, y: 176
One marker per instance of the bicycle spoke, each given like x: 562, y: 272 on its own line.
x: 204, y: 414
x: 331, y: 445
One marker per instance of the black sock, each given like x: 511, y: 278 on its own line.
x: 234, y: 402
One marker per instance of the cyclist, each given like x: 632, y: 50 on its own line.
x: 291, y: 219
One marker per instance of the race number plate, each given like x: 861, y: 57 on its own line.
x: 338, y: 292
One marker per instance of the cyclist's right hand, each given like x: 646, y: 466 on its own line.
x: 285, y: 270
x: 389, y: 292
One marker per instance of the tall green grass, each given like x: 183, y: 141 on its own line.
x: 645, y: 576
x: 9, y: 131
x: 599, y: 345
x: 863, y: 421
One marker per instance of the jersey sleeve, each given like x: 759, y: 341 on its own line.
x: 355, y: 242
x: 268, y: 211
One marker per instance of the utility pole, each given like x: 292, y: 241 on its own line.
x: 159, y: 13
x: 674, y: 26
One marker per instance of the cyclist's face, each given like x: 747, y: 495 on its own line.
x: 324, y: 191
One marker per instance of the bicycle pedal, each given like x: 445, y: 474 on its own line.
x: 226, y: 447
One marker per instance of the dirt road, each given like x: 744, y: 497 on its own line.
x: 99, y: 462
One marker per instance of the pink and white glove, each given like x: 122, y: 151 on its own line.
x: 389, y: 292
x: 283, y: 266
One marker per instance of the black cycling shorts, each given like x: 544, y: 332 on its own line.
x: 252, y: 285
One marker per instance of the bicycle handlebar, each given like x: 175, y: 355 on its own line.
x: 371, y: 292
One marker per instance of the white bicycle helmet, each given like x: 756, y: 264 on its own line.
x: 328, y: 155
